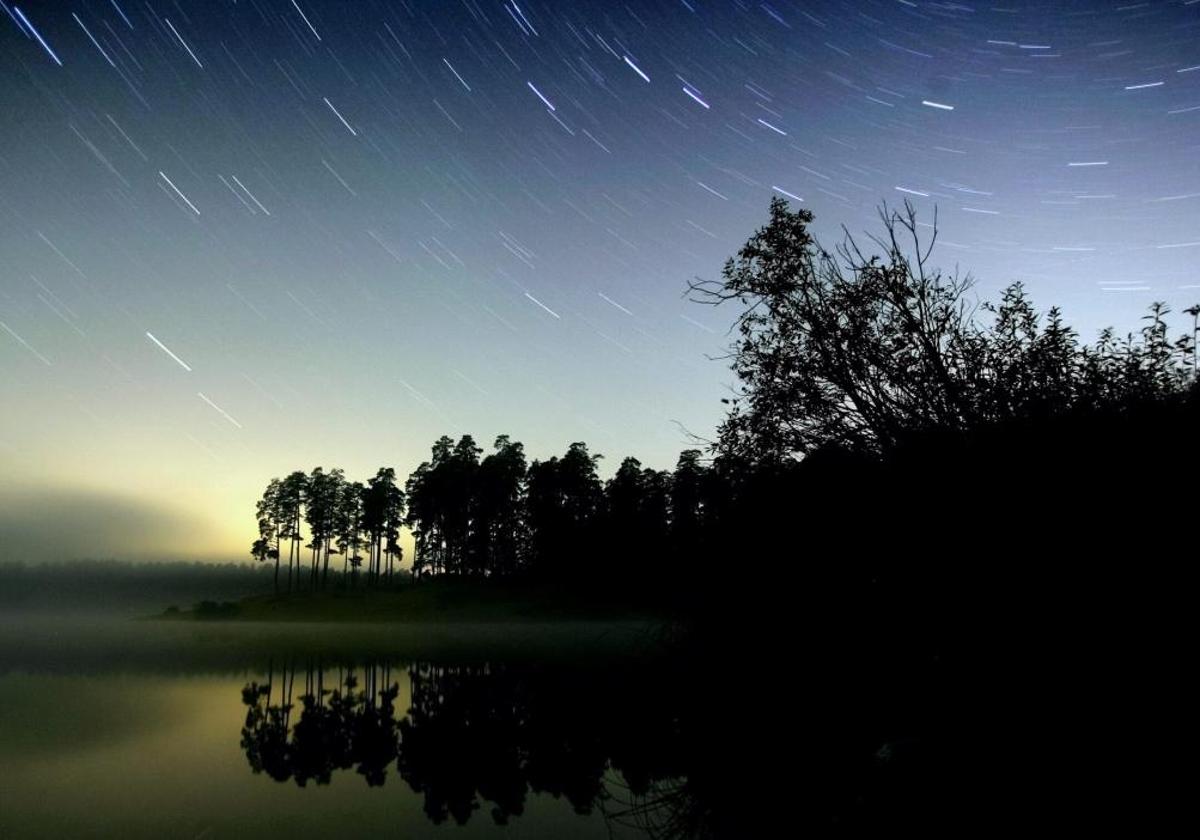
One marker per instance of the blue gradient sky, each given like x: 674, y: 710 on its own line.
x: 358, y: 226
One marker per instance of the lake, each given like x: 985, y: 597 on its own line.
x: 121, y: 728
x: 139, y: 755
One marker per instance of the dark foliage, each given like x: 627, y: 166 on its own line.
x: 861, y: 353
x: 970, y: 494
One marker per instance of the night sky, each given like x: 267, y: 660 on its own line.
x: 240, y: 238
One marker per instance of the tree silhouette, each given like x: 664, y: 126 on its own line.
x: 422, y: 521
x: 624, y: 501
x: 563, y: 498
x: 456, y: 477
x: 324, y: 490
x: 293, y: 494
x: 637, y: 513
x: 497, y: 510
x: 270, y: 524
x: 342, y: 518
x: 688, y: 511
x: 348, y: 524
x: 861, y: 353
x: 428, y: 491
x: 465, y: 514
x: 383, y: 512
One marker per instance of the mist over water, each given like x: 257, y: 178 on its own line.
x: 121, y: 589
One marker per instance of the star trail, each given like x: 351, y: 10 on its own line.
x: 367, y: 224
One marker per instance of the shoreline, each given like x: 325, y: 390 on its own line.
x: 433, y: 602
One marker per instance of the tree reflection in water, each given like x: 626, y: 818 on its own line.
x: 336, y: 728
x: 474, y: 734
x: 660, y: 747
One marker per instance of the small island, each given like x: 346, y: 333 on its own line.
x: 404, y: 601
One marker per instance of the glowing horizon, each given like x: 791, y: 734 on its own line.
x: 250, y: 239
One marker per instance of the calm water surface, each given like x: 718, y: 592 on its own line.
x: 312, y: 746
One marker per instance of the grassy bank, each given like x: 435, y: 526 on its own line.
x: 444, y: 621
x: 438, y: 601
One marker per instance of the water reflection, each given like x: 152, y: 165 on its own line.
x: 479, y: 737
x: 690, y: 744
x: 336, y: 729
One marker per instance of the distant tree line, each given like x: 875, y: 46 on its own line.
x: 360, y: 522
x: 116, y: 586
x: 495, y: 516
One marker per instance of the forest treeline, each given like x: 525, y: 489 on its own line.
x: 886, y: 425
x: 491, y: 516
